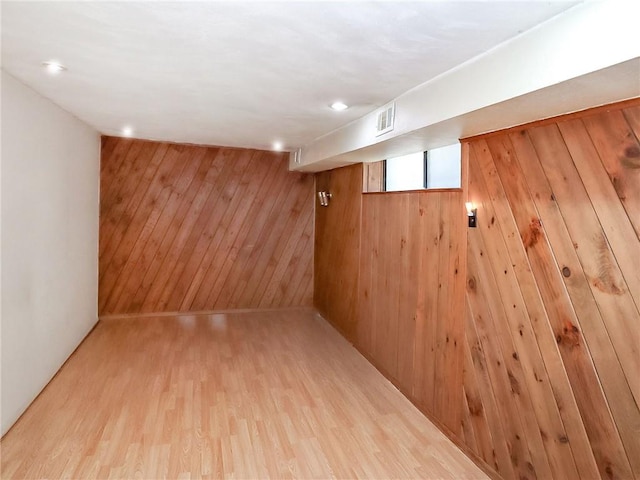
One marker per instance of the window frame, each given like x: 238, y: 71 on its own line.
x: 424, y: 175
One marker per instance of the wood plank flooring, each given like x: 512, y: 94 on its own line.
x: 272, y: 394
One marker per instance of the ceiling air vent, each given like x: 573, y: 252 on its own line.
x: 385, y: 119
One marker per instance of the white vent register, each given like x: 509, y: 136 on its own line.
x: 385, y: 119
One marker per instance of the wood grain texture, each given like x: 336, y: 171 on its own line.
x: 373, y: 177
x: 546, y: 329
x: 255, y: 395
x: 406, y: 315
x: 190, y: 228
x: 552, y: 350
x: 335, y: 266
x: 401, y: 303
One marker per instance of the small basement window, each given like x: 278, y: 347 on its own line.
x: 443, y: 167
x: 407, y: 172
x: 434, y: 169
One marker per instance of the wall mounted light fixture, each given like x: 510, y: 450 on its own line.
x: 324, y: 198
x: 472, y: 214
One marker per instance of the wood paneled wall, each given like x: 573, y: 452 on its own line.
x: 336, y: 266
x: 534, y: 366
x: 552, y: 359
x: 191, y: 228
x: 390, y: 275
x: 412, y: 274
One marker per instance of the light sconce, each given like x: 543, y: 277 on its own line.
x: 324, y: 198
x: 472, y: 214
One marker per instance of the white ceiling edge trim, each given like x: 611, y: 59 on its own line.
x: 584, y: 57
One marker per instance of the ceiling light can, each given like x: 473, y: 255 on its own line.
x: 53, y: 67
x: 339, y: 106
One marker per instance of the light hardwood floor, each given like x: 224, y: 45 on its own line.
x: 275, y: 394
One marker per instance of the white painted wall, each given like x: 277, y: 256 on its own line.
x: 49, y: 238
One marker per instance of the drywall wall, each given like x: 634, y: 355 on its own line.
x: 191, y: 228
x: 50, y: 183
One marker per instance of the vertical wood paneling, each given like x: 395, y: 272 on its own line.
x: 373, y: 177
x: 552, y: 262
x: 337, y: 241
x: 448, y: 355
x: 390, y: 273
x: 428, y: 236
x: 533, y: 366
x: 188, y: 228
x: 411, y: 290
x: 408, y: 296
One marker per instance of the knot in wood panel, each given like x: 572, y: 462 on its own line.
x: 570, y: 335
x: 631, y: 158
x: 475, y: 406
x: 515, y: 385
x: 531, y: 236
x: 608, y: 278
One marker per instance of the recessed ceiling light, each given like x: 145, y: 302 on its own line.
x: 127, y: 131
x: 339, y: 106
x: 53, y: 68
x: 278, y: 146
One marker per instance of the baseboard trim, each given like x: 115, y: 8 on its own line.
x: 124, y: 316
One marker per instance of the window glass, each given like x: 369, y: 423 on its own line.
x: 405, y: 173
x: 443, y: 167
x: 436, y: 168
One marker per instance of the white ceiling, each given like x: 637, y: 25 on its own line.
x: 246, y: 73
